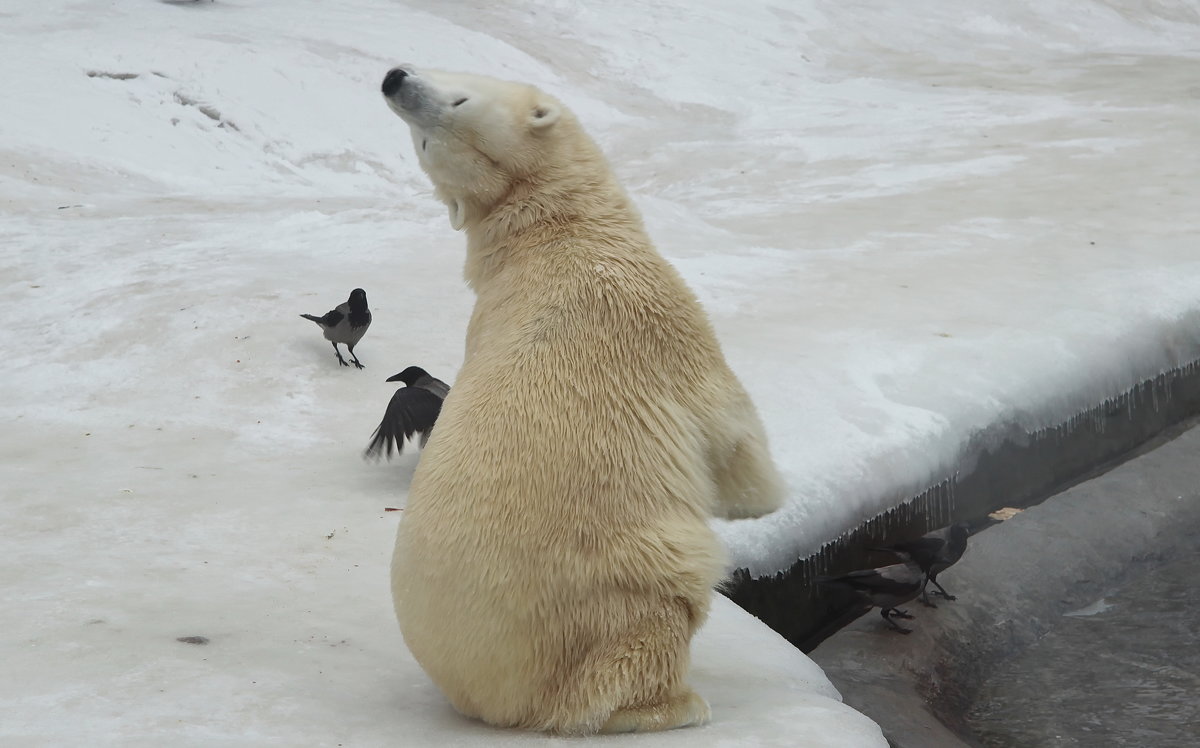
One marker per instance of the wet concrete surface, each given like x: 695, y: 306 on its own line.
x: 1123, y: 670
x: 1014, y: 585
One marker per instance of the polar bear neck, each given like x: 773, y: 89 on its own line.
x: 538, y: 212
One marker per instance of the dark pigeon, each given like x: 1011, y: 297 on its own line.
x: 346, y: 324
x: 885, y: 588
x: 934, y: 553
x: 412, y: 410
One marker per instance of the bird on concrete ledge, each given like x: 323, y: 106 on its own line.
x: 885, y: 588
x: 935, y: 552
x: 412, y: 410
x: 346, y: 324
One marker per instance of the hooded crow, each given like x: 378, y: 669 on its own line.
x: 934, y: 553
x: 412, y: 410
x: 346, y: 324
x: 885, y: 587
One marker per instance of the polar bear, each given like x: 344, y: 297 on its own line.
x: 555, y: 558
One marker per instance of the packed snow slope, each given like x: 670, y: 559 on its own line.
x: 907, y: 224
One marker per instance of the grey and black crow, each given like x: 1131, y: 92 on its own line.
x: 935, y: 552
x: 885, y: 587
x: 412, y: 410
x: 346, y: 324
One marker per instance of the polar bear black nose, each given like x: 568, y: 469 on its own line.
x: 392, y: 81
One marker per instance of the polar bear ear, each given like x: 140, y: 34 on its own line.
x: 458, y: 213
x: 543, y: 115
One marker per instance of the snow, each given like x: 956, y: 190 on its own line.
x: 328, y: 677
x: 908, y: 223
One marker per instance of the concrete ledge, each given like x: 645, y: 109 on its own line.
x: 1016, y: 579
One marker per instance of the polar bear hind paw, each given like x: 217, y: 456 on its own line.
x: 685, y: 709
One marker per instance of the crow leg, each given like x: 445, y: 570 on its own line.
x: 943, y: 591
x: 893, y: 624
x: 356, y: 361
x: 925, y: 594
x: 897, y: 613
x: 338, y: 353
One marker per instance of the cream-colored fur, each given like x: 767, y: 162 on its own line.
x: 555, y: 557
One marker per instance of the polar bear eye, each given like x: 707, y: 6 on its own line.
x: 461, y: 101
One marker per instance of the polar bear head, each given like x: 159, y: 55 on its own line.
x: 475, y: 136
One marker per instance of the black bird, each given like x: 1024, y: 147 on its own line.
x: 346, y: 324
x: 412, y: 410
x: 934, y: 553
x: 885, y: 587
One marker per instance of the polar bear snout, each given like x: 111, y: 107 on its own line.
x: 408, y: 95
x: 393, y: 80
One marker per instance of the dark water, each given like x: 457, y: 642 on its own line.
x: 1124, y: 671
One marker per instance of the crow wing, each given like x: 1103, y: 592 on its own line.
x: 411, y: 411
x: 924, y: 550
x: 331, y: 318
x: 897, y: 579
x: 872, y: 582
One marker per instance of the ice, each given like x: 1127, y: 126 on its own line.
x: 908, y: 223
x: 1092, y: 609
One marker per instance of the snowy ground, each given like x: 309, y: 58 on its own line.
x: 907, y: 224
